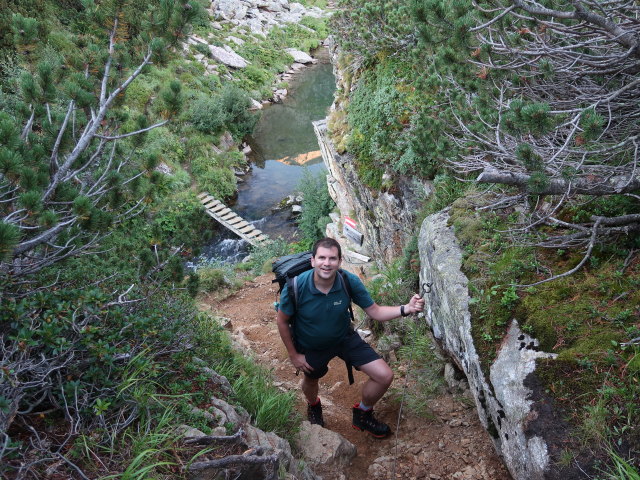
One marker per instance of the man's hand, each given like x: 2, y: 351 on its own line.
x: 416, y: 304
x: 300, y: 362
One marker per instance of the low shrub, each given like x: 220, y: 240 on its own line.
x: 211, y: 279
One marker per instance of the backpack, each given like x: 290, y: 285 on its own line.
x: 287, y: 269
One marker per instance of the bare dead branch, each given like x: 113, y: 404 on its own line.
x: 557, y: 186
x: 577, y: 267
x: 131, y: 134
x: 211, y: 439
x: 233, y: 461
x: 627, y: 261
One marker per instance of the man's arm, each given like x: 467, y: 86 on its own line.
x: 297, y: 359
x: 382, y: 313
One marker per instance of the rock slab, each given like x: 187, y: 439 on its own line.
x: 502, y: 400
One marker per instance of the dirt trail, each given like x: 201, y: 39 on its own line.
x: 452, y: 445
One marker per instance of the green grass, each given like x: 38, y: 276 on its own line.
x: 424, y: 377
x: 270, y: 409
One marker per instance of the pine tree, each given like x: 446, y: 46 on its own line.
x: 540, y: 99
x: 67, y: 173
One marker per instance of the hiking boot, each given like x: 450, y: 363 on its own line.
x: 366, y: 422
x: 314, y: 414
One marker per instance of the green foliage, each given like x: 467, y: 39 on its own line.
x: 139, y: 94
x: 212, y: 279
x: 622, y: 469
x: 25, y: 30
x: 235, y: 105
x: 316, y: 206
x: 215, y: 174
x: 374, y: 113
x: 172, y: 98
x: 592, y: 124
x: 426, y: 380
x: 581, y: 317
x: 446, y: 190
x: 115, y: 315
x: 262, y: 256
x: 206, y: 114
x: 526, y: 155
x: 526, y: 117
x: 538, y: 182
x: 253, y: 388
x: 395, y: 285
x: 179, y: 219
x: 9, y: 237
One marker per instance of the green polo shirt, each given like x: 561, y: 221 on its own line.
x: 322, y: 320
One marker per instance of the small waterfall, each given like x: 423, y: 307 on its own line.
x: 225, y: 250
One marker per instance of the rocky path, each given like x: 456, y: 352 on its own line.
x: 451, y: 445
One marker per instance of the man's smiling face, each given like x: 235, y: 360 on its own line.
x: 326, y: 263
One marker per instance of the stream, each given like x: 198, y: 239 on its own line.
x: 283, y: 145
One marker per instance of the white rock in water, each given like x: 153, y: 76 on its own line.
x: 299, y: 56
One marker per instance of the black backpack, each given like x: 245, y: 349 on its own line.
x: 287, y: 269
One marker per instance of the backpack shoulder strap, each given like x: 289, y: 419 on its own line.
x: 344, y: 280
x: 295, y: 291
x: 292, y: 286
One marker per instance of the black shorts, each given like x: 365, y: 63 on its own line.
x: 352, y: 350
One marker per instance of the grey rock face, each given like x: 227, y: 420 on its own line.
x: 322, y: 447
x: 502, y: 401
x: 228, y: 57
x: 384, y: 219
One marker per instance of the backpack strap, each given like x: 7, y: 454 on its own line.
x: 344, y: 280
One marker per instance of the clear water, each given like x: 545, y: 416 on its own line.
x: 283, y: 145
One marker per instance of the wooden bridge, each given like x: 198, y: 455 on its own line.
x: 231, y: 220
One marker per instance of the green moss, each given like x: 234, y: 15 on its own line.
x: 565, y: 379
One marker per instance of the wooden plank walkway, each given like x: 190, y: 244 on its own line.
x: 228, y: 218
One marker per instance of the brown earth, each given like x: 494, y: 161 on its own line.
x: 452, y: 444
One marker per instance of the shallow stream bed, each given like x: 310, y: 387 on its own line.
x: 283, y: 146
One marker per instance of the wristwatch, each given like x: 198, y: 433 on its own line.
x: 402, y: 311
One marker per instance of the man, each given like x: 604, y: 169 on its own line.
x: 323, y: 331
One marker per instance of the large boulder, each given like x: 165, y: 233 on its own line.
x: 503, y: 400
x: 299, y: 56
x: 323, y: 449
x: 227, y: 56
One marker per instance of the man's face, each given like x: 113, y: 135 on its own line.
x: 326, y: 262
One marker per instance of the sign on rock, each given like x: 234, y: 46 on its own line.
x: 349, y: 231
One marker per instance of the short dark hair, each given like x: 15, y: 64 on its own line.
x: 327, y: 242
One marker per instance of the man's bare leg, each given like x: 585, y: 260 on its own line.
x: 380, y: 378
x: 310, y: 389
